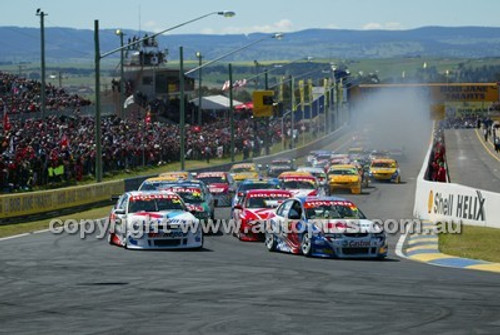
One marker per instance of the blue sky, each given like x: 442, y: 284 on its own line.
x: 253, y: 15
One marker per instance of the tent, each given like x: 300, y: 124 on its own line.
x: 215, y: 102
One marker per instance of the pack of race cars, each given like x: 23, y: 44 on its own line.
x: 291, y: 209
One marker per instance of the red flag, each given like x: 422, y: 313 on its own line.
x: 148, y: 118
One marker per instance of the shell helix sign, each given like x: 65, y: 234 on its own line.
x: 263, y: 102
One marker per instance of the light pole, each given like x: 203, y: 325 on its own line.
x: 182, y: 107
x: 120, y: 33
x: 97, y: 66
x: 42, y: 15
x: 277, y: 36
x: 200, y: 60
x: 231, y: 109
x: 292, y: 107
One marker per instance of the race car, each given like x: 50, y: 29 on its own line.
x: 177, y: 175
x: 344, y: 177
x: 300, y: 183
x: 278, y: 166
x: 253, y: 209
x: 319, y: 173
x: 253, y: 184
x: 324, y: 227
x: 197, y: 201
x: 321, y: 154
x: 385, y: 169
x: 221, y: 185
x: 243, y: 171
x: 153, y: 220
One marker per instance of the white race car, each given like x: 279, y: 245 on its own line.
x: 154, y: 220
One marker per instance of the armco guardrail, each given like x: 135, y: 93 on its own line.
x: 20, y: 205
x: 436, y: 202
x: 31, y: 203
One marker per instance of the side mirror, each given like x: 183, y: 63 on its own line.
x: 238, y: 206
x: 119, y: 211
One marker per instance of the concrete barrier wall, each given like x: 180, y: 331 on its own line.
x: 454, y: 202
x: 26, y: 204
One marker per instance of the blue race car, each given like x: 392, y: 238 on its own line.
x: 324, y: 227
x: 255, y: 184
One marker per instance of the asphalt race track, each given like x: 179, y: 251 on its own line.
x: 62, y: 284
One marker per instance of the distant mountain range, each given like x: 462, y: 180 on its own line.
x: 63, y: 44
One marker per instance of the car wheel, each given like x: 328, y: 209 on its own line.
x: 270, y: 242
x: 398, y: 180
x: 306, y: 245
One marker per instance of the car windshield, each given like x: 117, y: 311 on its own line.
x: 154, y: 186
x: 191, y: 197
x: 299, y: 184
x: 154, y: 205
x: 334, y: 211
x: 264, y: 202
x: 343, y: 172
x: 257, y: 186
x: 213, y: 180
x: 386, y: 165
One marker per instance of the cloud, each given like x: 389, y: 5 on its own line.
x: 383, y: 26
x: 283, y: 25
x: 332, y: 26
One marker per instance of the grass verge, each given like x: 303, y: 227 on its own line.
x: 20, y: 228
x: 474, y: 242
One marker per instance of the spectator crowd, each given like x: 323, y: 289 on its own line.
x: 21, y: 95
x: 59, y: 150
x: 437, y: 168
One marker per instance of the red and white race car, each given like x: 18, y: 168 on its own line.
x: 253, y: 209
x: 300, y: 184
x: 221, y: 185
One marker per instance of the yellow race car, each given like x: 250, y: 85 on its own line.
x: 176, y: 175
x: 385, y: 169
x: 344, y: 177
x: 243, y: 171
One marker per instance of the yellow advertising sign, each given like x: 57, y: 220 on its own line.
x: 263, y: 103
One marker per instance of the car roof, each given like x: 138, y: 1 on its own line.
x: 295, y: 174
x: 138, y: 193
x: 243, y: 165
x: 342, y: 166
x: 384, y: 160
x: 211, y: 174
x: 310, y: 169
x: 260, y: 180
x: 305, y: 199
x: 267, y: 191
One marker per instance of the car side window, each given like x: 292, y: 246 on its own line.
x: 122, y: 202
x: 284, y: 209
x: 295, y: 211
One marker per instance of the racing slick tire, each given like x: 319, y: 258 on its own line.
x: 270, y: 242
x: 306, y: 245
x: 398, y: 180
